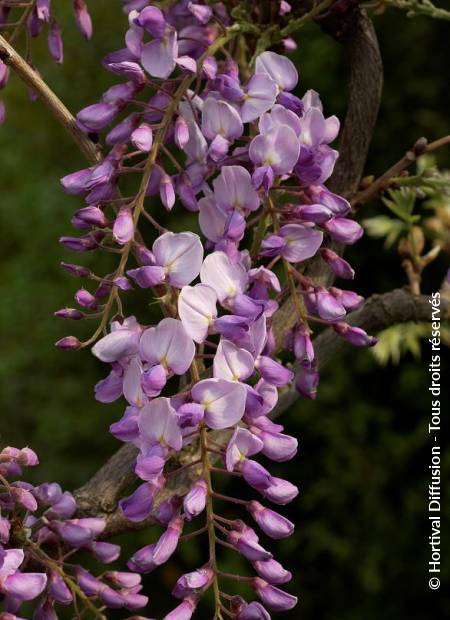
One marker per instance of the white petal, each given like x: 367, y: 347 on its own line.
x: 225, y: 277
x: 197, y: 310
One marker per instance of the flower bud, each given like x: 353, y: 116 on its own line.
x: 76, y: 270
x: 85, y: 299
x: 195, y: 500
x: 340, y: 267
x: 70, y: 313
x: 83, y: 18
x: 123, y: 228
x: 354, y: 335
x: 273, y: 597
x: 273, y: 524
x: 142, y: 138
x: 343, y: 230
x: 58, y: 589
x: 97, y: 116
x: 68, y: 342
x: 272, y: 571
x: 55, y: 42
x: 307, y: 380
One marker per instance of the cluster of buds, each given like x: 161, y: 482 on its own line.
x: 39, y: 533
x: 38, y: 15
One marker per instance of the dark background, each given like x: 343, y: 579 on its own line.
x: 361, y: 546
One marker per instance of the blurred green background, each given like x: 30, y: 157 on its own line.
x: 361, y: 546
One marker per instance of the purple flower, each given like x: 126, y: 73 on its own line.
x: 138, y: 505
x: 97, y: 116
x: 184, y: 610
x: 197, y: 310
x: 195, y: 500
x: 193, y: 583
x: 233, y: 190
x: 246, y: 542
x: 273, y: 524
x: 242, y: 444
x: 225, y: 277
x: 178, y: 257
x: 307, y: 380
x: 158, y: 424
x: 222, y: 124
x: 83, y: 18
x: 158, y: 57
x: 260, y: 95
x: 355, y: 335
x: 22, y: 586
x: 277, y: 149
x: 252, y: 611
x: 280, y: 491
x: 232, y: 363
x: 169, y: 345
x: 142, y: 138
x: 294, y: 242
x: 272, y: 571
x: 344, y: 230
x: 223, y: 401
x: 279, y: 68
x: 273, y: 597
x: 123, y: 341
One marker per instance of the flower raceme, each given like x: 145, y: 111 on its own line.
x: 36, y: 521
x: 250, y: 159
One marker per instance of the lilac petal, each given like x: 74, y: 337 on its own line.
x: 273, y: 597
x: 158, y: 56
x: 223, y: 401
x: 183, y: 611
x: 279, y: 148
x: 123, y: 229
x: 218, y: 148
x: 279, y: 115
x: 11, y: 560
x: 260, y: 97
x: 329, y: 308
x: 248, y: 545
x: 220, y: 118
x: 97, y: 116
x: 132, y: 383
x: 273, y: 372
x: 139, y: 504
x: 195, y: 500
x: 168, y: 344
x: 278, y: 447
x: 225, y: 277
x: 273, y: 524
x: 126, y: 429
x: 181, y: 255
x: 272, y: 571
x: 301, y: 242
x: 142, y: 138
x: 116, y: 345
x: 212, y: 219
x: 344, y: 230
x: 152, y: 20
x: 148, y: 276
x: 280, y: 491
x: 253, y: 611
x: 197, y: 310
x: 255, y: 475
x: 232, y: 363
x: 158, y: 423
x: 279, y: 68
x: 25, y: 586
x: 233, y: 190
x: 242, y: 444
x: 154, y: 379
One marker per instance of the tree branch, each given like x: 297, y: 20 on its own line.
x: 99, y: 496
x: 28, y: 75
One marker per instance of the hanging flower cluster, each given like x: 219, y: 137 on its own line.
x: 37, y: 15
x: 251, y: 159
x: 38, y: 535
